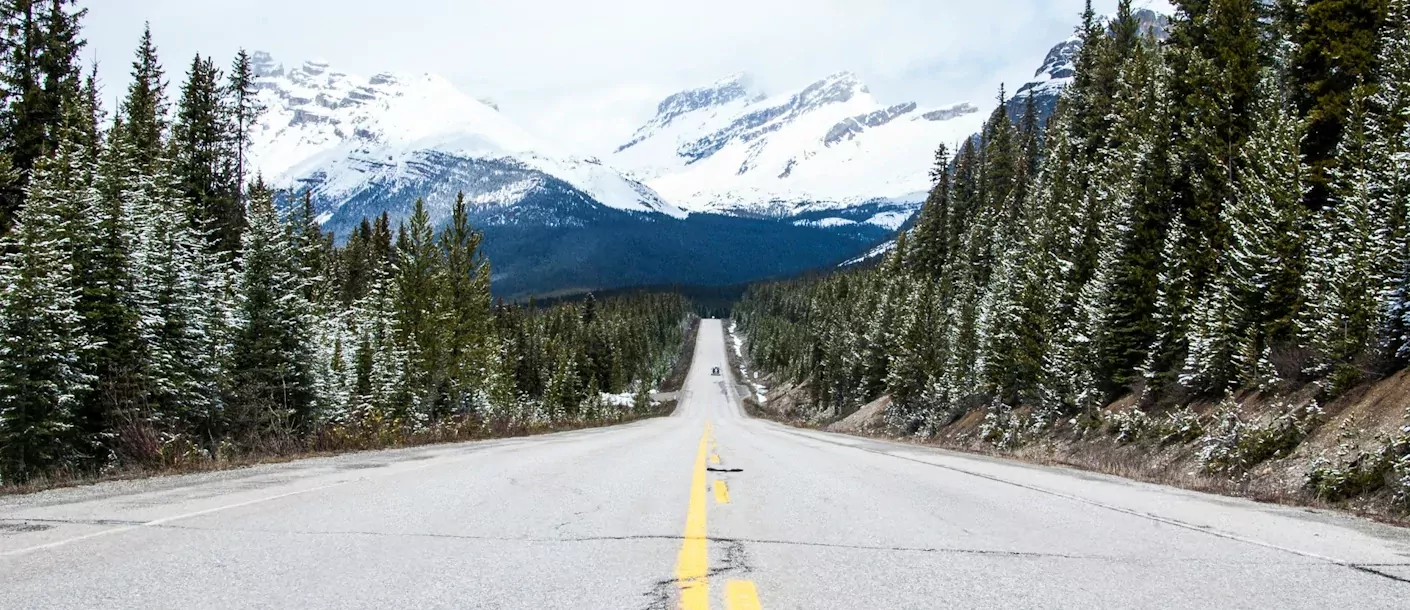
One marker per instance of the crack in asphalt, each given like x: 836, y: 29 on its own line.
x: 735, y: 556
x: 660, y: 596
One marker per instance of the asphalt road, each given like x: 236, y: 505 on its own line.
x: 703, y: 509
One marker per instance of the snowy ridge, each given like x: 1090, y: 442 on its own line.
x: 342, y: 134
x: 829, y: 145
x: 1061, y: 62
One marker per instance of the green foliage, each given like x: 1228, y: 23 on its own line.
x: 1362, y: 472
x: 1233, y: 445
x: 1156, y: 241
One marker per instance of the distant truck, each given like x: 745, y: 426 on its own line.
x: 715, y: 371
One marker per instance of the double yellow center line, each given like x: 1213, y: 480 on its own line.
x: 693, y: 562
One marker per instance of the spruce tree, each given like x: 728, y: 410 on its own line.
x: 1391, y: 144
x: 1335, y: 61
x: 107, y: 299
x: 39, y: 74
x: 272, y: 386
x: 144, y: 110
x: 199, y: 143
x: 466, y: 298
x: 244, y: 111
x: 929, y: 248
x: 42, y: 340
x: 1345, y: 280
x: 172, y: 299
x: 421, y: 321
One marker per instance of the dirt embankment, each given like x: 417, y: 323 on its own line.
x: 1264, y: 446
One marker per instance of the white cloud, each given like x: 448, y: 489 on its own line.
x: 587, y: 73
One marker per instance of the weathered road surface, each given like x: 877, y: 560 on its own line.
x: 703, y: 509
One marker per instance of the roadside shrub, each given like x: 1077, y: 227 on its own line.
x: 1135, y: 424
x: 1233, y: 446
x: 1130, y: 425
x: 1362, y: 472
x: 1008, y: 428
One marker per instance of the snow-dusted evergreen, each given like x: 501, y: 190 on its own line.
x: 1177, y: 239
x: 43, y: 380
x: 157, y: 310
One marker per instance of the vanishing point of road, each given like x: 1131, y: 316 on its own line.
x: 704, y: 509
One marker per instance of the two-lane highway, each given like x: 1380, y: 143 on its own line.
x: 704, y: 509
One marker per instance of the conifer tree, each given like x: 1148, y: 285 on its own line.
x: 1346, y: 277
x: 244, y: 111
x: 1391, y: 143
x: 144, y: 110
x: 171, y: 298
x: 271, y: 387
x: 466, y: 297
x: 107, y: 298
x: 39, y: 74
x: 199, y: 143
x: 1335, y: 61
x: 421, y: 323
x: 42, y: 341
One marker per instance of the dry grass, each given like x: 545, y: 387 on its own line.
x: 326, y: 445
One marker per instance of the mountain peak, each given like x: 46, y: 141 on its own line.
x: 834, y: 88
x: 720, y: 92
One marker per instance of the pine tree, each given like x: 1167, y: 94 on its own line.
x: 171, y: 298
x: 39, y: 73
x: 144, y: 110
x: 466, y: 297
x: 245, y: 111
x: 272, y: 386
x: 42, y: 342
x: 199, y: 143
x: 421, y: 323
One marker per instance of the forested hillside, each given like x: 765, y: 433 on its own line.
x: 159, y: 308
x: 1221, y: 212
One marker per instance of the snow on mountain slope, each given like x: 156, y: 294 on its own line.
x: 1060, y: 64
x: 343, y: 135
x: 724, y: 148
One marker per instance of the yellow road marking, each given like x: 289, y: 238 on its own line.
x: 721, y: 493
x: 741, y: 595
x: 715, y: 459
x: 693, y: 562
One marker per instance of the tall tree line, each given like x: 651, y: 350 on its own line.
x: 1223, y: 208
x: 159, y: 306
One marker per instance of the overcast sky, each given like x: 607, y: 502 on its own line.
x: 586, y: 74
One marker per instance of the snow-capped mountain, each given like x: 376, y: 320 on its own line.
x: 724, y: 185
x: 364, y: 145
x: 831, y: 145
x: 1060, y: 65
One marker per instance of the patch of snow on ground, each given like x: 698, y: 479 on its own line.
x: 889, y: 220
x: 871, y: 254
x: 625, y: 399
x: 760, y: 390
